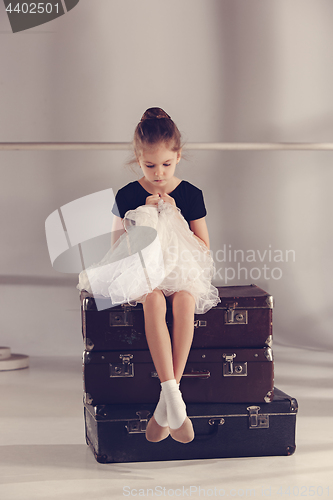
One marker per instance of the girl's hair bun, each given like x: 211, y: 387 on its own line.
x: 156, y: 126
x: 154, y: 113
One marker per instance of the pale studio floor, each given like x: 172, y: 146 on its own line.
x: 43, y: 454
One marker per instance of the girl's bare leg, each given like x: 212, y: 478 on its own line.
x: 158, y: 339
x: 169, y: 362
x: 157, y: 334
x: 183, y: 305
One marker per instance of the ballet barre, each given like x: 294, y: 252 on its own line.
x: 124, y: 146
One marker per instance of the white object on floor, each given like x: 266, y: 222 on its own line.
x: 10, y: 361
x: 4, y: 352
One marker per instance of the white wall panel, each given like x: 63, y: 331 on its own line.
x: 225, y: 71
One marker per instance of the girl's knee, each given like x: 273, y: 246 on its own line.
x: 184, y: 300
x: 155, y: 300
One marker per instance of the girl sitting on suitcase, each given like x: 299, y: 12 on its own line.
x: 175, y: 209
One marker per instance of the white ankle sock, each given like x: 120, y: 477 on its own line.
x: 160, y: 413
x: 176, y: 409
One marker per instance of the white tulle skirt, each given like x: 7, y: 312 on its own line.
x: 157, y: 251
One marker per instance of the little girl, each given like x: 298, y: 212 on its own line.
x: 176, y: 210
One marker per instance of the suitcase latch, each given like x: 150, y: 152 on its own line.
x: 138, y: 426
x: 126, y: 369
x: 231, y: 369
x: 257, y: 421
x: 121, y: 318
x: 232, y: 317
x: 199, y: 322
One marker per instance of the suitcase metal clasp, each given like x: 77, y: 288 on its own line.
x: 198, y: 323
x: 231, y: 369
x: 231, y: 317
x: 126, y: 369
x: 257, y: 421
x: 121, y: 318
x: 138, y: 426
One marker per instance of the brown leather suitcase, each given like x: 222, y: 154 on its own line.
x: 210, y: 376
x: 242, y: 319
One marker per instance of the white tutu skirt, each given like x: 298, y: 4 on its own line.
x: 157, y: 251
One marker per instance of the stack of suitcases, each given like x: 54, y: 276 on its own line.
x: 228, y: 382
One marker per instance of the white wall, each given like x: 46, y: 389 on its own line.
x: 225, y: 71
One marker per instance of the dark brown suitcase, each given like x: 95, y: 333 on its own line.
x: 116, y: 433
x: 210, y: 376
x: 242, y: 319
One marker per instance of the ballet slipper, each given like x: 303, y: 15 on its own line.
x: 185, y: 433
x: 154, y: 432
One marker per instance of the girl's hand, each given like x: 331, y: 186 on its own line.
x: 153, y: 199
x: 168, y: 199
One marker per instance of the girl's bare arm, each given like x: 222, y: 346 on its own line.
x: 200, y: 230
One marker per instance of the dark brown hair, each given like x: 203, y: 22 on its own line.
x: 156, y: 126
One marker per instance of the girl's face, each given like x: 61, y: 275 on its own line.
x: 158, y: 164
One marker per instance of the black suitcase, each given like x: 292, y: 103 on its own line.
x: 210, y: 375
x: 116, y: 433
x: 242, y: 319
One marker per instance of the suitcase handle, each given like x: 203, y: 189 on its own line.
x: 204, y: 374
x: 215, y: 423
